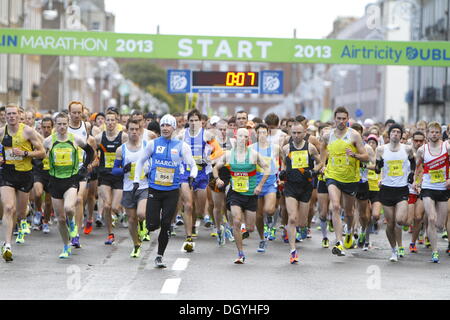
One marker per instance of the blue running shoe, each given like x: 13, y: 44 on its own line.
x: 304, y: 233
x: 272, y: 234
x: 76, y: 242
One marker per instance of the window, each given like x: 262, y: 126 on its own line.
x: 3, y: 75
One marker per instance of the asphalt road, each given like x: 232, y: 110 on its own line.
x: 97, y: 271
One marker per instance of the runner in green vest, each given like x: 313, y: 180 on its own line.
x: 242, y: 197
x: 65, y: 175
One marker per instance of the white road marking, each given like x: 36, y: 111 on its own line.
x: 171, y: 286
x: 180, y: 264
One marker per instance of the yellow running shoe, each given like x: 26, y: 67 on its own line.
x: 188, y: 245
x: 136, y: 253
x: 338, y: 250
x: 7, y: 253
x: 348, y: 241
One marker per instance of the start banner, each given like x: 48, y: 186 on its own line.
x: 151, y: 46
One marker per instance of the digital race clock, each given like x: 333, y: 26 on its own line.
x: 186, y: 81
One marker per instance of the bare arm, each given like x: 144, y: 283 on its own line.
x: 361, y: 154
x: 38, y: 151
x: 313, y: 151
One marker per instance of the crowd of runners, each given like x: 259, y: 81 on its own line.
x: 266, y: 178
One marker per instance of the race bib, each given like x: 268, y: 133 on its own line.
x: 395, y: 168
x: 109, y: 159
x: 164, y: 176
x: 299, y: 159
x: 9, y: 155
x: 46, y: 164
x: 437, y: 176
x: 63, y: 157
x: 340, y: 161
x: 133, y: 170
x: 240, y: 184
x: 372, y: 175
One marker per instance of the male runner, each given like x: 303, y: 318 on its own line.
x: 110, y: 186
x: 20, y: 145
x: 344, y: 149
x: 135, y: 204
x: 434, y: 157
x: 242, y: 196
x: 398, y: 164
x: 65, y: 174
x: 164, y: 179
x: 298, y: 157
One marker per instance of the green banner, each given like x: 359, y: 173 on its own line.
x: 81, y: 43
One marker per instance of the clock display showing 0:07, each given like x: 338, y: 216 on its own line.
x: 225, y: 79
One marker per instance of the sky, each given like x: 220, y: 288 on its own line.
x: 312, y: 19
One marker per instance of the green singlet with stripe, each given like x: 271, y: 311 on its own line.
x: 243, y: 175
x: 63, y: 157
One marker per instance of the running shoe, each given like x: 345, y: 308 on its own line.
x: 194, y: 232
x: 159, y: 263
x: 179, y: 221
x: 298, y: 236
x: 7, y: 253
x: 24, y: 226
x: 16, y: 230
x: 272, y: 234
x: 366, y: 246
x: 394, y: 256
x: 435, y: 257
x: 98, y: 221
x: 207, y: 222
x: 45, y: 228
x: 76, y: 242
x: 325, y: 243
x: 401, y: 252
x: 73, y: 229
x: 361, y: 240
x: 445, y: 235
x: 338, y: 250
x: 293, y: 257
x: 284, y: 236
x: 405, y: 228
x: 221, y: 236
x: 88, y: 227
x: 262, y: 246
x: 427, y: 242
x: 67, y: 251
x: 420, y: 239
x: 229, y: 234
x: 110, y: 240
x: 266, y: 231
x: 146, y: 237
x: 304, y: 233
x: 412, y: 248
x: 37, y: 218
x: 114, y: 219
x: 20, y: 237
x: 188, y: 245
x: 348, y: 241
x: 330, y: 226
x: 124, y: 220
x: 308, y: 233
x: 136, y: 253
x: 172, y: 231
x: 213, y: 234
x: 245, y: 234
x: 240, y: 259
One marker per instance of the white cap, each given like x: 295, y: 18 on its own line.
x: 368, y: 123
x: 168, y: 119
x: 214, y: 120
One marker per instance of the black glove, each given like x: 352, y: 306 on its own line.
x: 83, y: 172
x: 135, y: 187
x: 127, y: 168
x: 191, y: 181
x: 411, y: 178
x: 282, y: 175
